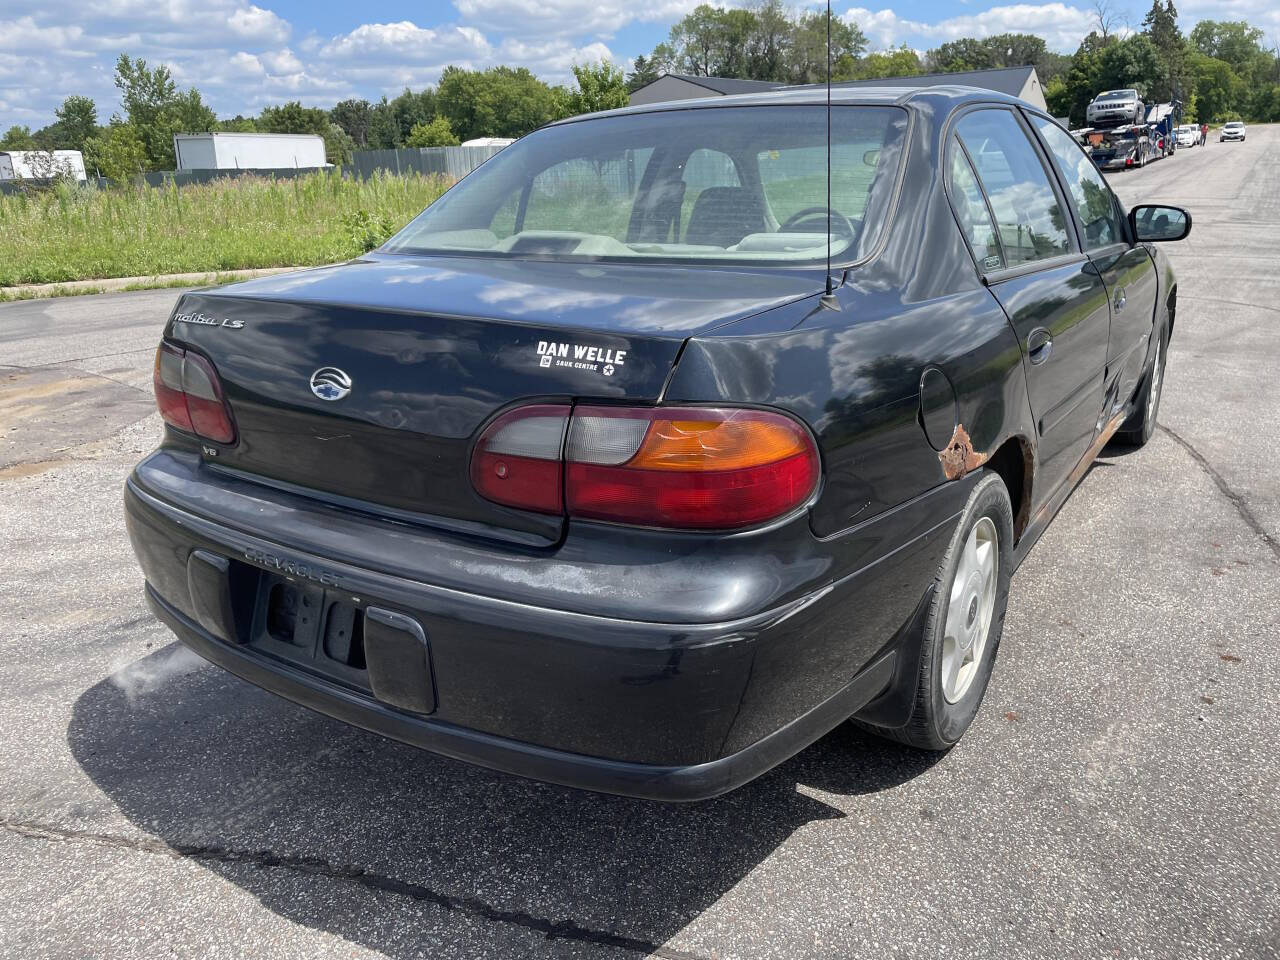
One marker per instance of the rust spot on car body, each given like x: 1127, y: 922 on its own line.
x: 958, y: 457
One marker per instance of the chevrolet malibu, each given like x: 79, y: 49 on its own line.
x: 649, y: 454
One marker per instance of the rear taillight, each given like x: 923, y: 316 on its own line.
x: 681, y: 467
x: 189, y: 394
x: 517, y: 460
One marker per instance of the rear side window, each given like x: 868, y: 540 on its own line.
x: 1095, y: 205
x: 1029, y: 219
x: 971, y: 210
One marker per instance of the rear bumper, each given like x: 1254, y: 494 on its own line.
x: 648, y: 781
x: 670, y: 711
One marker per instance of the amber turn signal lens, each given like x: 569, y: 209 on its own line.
x: 745, y: 439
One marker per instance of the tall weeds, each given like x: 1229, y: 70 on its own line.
x: 72, y: 233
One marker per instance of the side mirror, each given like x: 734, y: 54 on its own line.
x: 1154, y: 223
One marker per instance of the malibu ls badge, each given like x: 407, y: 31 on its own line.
x: 330, y: 383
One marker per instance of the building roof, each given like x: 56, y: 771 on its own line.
x: 1014, y: 81
x: 1010, y: 80
x: 726, y: 86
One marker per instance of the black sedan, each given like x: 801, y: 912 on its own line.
x: 646, y: 455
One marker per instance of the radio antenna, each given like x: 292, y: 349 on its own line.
x: 828, y: 297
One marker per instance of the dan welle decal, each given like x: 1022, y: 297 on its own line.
x: 579, y: 356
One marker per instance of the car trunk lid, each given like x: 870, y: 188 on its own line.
x: 367, y: 382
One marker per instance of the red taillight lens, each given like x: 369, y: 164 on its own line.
x: 168, y: 383
x: 694, y: 468
x: 189, y: 394
x: 689, y: 468
x: 517, y: 460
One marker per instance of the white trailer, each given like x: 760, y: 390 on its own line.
x: 248, y: 151
x: 41, y: 165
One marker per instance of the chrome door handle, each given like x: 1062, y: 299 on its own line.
x: 1119, y: 301
x: 1039, y: 344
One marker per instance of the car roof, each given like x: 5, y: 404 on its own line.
x: 947, y: 96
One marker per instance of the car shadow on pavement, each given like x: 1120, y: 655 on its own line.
x: 230, y: 776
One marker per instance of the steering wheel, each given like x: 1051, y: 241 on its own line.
x: 838, y: 220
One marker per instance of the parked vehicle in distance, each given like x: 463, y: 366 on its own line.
x: 1188, y: 135
x: 1162, y: 120
x: 636, y: 464
x: 42, y: 165
x: 1122, y: 148
x: 1115, y: 107
x: 1234, y: 130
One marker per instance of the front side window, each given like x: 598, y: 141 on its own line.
x: 721, y: 183
x: 1094, y: 202
x: 1029, y: 219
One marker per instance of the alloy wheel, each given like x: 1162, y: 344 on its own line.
x: 970, y: 609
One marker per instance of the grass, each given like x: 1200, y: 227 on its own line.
x: 70, y: 233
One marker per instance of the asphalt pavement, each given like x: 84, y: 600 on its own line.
x: 1117, y: 796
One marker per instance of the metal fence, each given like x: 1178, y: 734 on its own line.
x: 452, y: 162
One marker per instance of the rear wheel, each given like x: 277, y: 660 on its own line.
x: 964, y: 623
x: 1137, y: 430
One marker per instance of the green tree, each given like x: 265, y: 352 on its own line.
x: 384, y: 130
x: 902, y: 62
x: 437, y: 133
x: 643, y: 72
x: 156, y: 110
x: 144, y: 94
x: 1237, y: 43
x: 411, y: 109
x: 118, y: 153
x: 238, y: 124
x: 355, y: 117
x: 77, y: 121
x: 338, y: 146
x: 17, y: 138
x: 599, y: 87
x: 1057, y: 97
x: 1219, y: 91
x: 808, y: 49
x: 955, y: 56
x: 497, y: 102
x: 1131, y: 62
x: 1169, y: 78
x: 293, y: 117
x: 770, y: 41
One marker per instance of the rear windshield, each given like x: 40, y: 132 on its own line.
x: 722, y: 183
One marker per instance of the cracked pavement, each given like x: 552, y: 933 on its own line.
x: 1116, y: 796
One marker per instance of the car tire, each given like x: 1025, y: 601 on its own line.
x: 1138, y: 429
x: 947, y: 698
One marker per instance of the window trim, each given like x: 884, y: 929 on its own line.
x: 1032, y: 266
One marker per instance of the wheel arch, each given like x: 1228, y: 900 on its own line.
x: 1014, y: 462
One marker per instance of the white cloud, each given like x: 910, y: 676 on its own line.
x: 572, y: 18
x: 1062, y: 26
x: 25, y: 34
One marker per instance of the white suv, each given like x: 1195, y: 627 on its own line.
x: 1188, y: 135
x: 1232, y: 131
x: 1115, y: 107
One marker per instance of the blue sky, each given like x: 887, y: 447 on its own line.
x: 244, y: 54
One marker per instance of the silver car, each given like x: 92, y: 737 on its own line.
x: 1115, y: 107
x: 1232, y: 131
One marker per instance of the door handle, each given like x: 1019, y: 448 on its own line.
x: 1039, y: 344
x: 1119, y: 301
